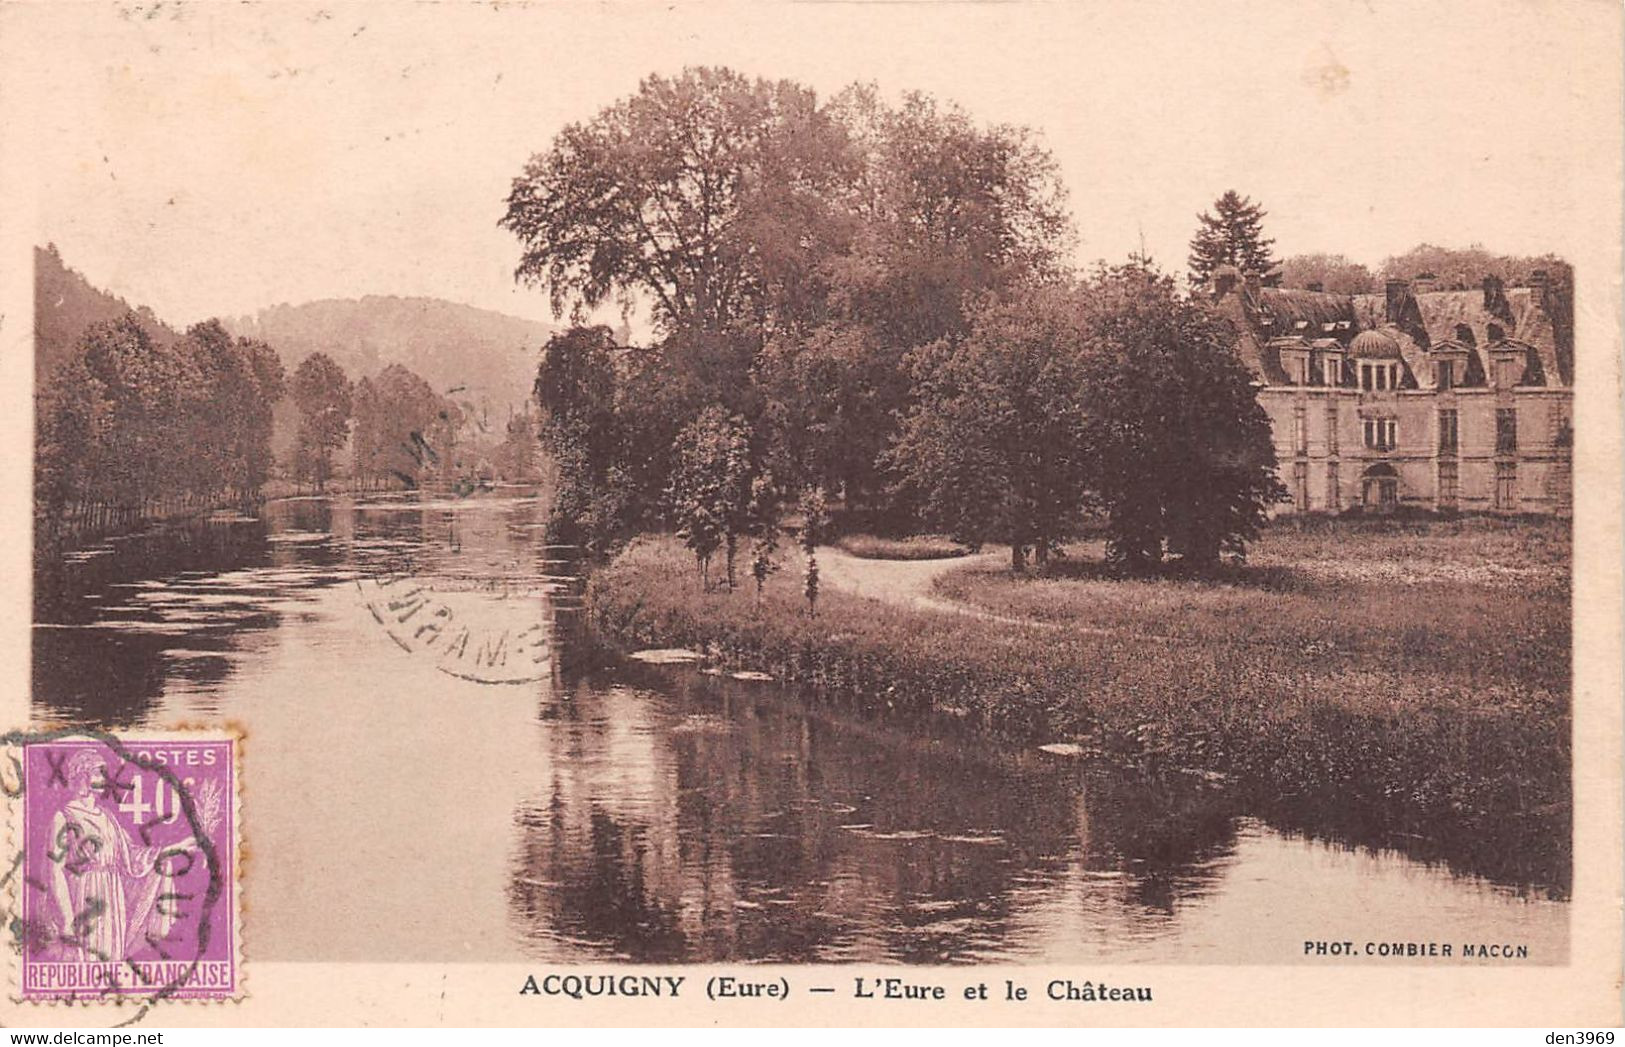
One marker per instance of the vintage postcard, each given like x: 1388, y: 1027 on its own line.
x: 781, y: 514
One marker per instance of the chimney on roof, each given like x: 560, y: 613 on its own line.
x: 1273, y: 277
x: 1314, y: 285
x: 1537, y: 279
x: 1424, y: 282
x: 1224, y: 280
x: 1495, y: 298
x: 1397, y: 292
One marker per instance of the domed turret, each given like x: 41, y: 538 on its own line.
x: 1374, y: 345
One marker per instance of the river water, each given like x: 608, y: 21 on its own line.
x: 434, y: 784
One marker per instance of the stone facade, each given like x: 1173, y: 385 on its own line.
x: 1441, y: 400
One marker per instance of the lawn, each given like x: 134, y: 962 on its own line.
x: 1397, y: 684
x: 1433, y: 604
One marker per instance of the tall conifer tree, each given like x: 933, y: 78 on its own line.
x: 1232, y: 235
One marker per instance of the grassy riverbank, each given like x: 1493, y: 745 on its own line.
x: 1397, y: 684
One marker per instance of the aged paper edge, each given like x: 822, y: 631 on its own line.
x: 1583, y: 992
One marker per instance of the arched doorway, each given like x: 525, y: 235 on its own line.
x: 1379, y: 487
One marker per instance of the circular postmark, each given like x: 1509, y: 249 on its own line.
x: 495, y: 629
x: 121, y: 887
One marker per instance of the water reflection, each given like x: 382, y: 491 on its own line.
x: 694, y: 818
x: 646, y: 813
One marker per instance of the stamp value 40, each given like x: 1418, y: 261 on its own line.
x: 126, y: 885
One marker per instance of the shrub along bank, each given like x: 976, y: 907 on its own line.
x: 915, y: 547
x: 1464, y: 766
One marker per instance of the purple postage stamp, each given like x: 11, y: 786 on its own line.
x: 129, y: 859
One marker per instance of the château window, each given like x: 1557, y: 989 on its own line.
x: 1334, y: 493
x: 1506, y: 429
x: 1300, y: 486
x: 1449, y: 485
x: 1379, y: 377
x: 1448, y: 430
x: 1331, y: 428
x: 1562, y: 434
x: 1300, y: 429
x: 1381, y: 434
x: 1334, y: 371
x: 1506, y: 485
x: 1447, y: 374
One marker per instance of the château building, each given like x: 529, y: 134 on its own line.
x: 1457, y: 400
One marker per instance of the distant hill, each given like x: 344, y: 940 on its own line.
x: 65, y: 304
x: 484, y: 360
x: 476, y: 356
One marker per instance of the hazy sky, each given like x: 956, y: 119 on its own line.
x: 217, y: 159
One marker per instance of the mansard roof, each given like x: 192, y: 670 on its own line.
x: 1466, y: 320
x: 1287, y: 306
x: 1446, y: 315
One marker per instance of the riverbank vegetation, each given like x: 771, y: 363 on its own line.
x: 1394, y: 686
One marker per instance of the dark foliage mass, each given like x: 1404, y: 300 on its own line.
x: 1331, y: 273
x: 405, y: 433
x: 869, y: 299
x: 131, y: 427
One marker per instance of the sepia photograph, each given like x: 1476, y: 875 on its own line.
x: 878, y: 488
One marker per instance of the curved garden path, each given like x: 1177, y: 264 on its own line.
x: 910, y: 583
x: 906, y: 583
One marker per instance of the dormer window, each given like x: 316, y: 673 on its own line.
x: 1300, y: 325
x: 1333, y: 371
x: 1447, y: 374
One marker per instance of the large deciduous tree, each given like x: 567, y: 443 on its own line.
x: 323, y: 394
x: 994, y: 446
x: 1183, y: 461
x: 1233, y: 234
x: 404, y: 431
x: 792, y: 253
x: 577, y: 388
x: 700, y: 192
x: 239, y: 382
x: 944, y: 212
x: 1464, y: 268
